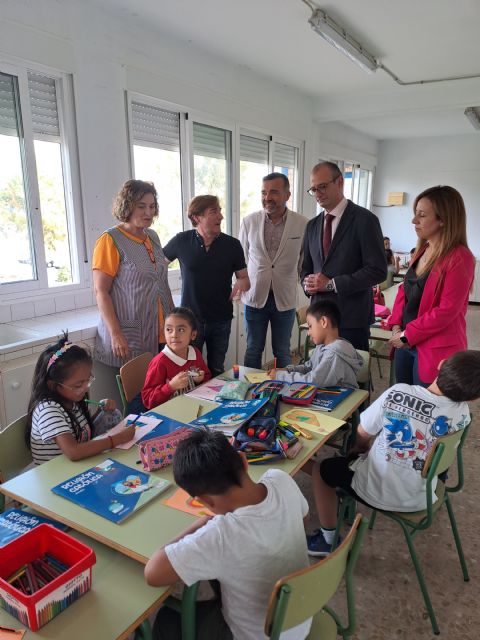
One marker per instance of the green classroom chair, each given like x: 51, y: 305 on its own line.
x: 131, y: 378
x: 442, y: 455
x: 305, y: 593
x: 186, y: 607
x: 14, y: 452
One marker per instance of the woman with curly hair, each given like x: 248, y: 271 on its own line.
x: 130, y: 279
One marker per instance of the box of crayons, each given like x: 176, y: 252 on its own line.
x: 41, y: 573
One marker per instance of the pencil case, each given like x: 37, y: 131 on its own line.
x: 233, y: 390
x: 299, y: 393
x: 158, y: 452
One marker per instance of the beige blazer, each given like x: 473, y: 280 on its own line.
x: 281, y: 274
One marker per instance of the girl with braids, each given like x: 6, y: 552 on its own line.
x: 58, y: 419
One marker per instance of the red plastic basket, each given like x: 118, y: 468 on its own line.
x: 39, y: 608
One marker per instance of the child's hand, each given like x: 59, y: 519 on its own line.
x: 273, y: 373
x: 125, y: 435
x: 180, y: 381
x: 107, y: 404
x: 199, y: 376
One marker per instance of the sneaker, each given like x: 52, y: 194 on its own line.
x: 317, y: 545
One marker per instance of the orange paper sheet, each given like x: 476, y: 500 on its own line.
x: 6, y: 633
x: 183, y: 502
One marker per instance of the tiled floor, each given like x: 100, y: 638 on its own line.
x: 389, y: 602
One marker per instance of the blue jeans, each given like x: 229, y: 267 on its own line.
x: 406, y: 367
x: 281, y: 323
x: 215, y: 335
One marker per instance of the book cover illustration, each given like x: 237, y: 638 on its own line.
x: 143, y: 425
x: 15, y: 522
x: 329, y: 398
x: 165, y: 426
x: 208, y: 390
x: 111, y: 490
x: 230, y: 415
x: 182, y: 501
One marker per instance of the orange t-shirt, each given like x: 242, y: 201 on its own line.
x: 106, y: 258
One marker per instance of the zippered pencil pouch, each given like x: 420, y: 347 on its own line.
x: 158, y: 452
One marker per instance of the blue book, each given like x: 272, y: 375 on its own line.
x: 328, y: 398
x: 111, y: 489
x: 15, y: 522
x: 230, y: 415
x: 166, y: 426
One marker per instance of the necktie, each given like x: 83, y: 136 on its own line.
x: 327, y: 233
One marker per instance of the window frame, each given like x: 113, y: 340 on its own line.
x: 38, y: 286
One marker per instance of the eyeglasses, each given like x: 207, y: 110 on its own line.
x: 320, y: 188
x: 80, y: 385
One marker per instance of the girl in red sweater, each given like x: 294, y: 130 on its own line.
x: 179, y: 366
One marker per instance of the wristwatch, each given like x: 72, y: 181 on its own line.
x: 403, y: 338
x: 330, y: 286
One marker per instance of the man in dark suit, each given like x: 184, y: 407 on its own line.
x: 343, y: 254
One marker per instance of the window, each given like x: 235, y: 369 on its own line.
x: 156, y: 158
x: 186, y: 156
x: 254, y: 166
x: 212, y: 162
x: 37, y: 230
x: 358, y: 183
x: 259, y: 156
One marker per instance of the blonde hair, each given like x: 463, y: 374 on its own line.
x: 450, y: 210
x: 131, y: 192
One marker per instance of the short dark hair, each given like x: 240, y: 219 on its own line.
x: 198, y: 205
x: 277, y: 175
x: 206, y: 463
x: 459, y: 376
x: 386, y: 238
x: 327, y: 308
x: 185, y: 313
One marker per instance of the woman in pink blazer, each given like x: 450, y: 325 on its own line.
x: 428, y: 317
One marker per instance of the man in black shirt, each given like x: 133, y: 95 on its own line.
x: 208, y: 259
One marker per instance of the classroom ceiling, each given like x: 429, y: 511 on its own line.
x: 416, y: 39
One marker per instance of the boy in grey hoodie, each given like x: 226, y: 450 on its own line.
x: 334, y: 361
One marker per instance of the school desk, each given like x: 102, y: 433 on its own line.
x: 117, y: 603
x: 153, y: 526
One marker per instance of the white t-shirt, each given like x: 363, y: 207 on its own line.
x: 407, y: 419
x: 49, y: 420
x: 247, y: 551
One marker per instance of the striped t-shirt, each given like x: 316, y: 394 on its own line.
x: 50, y: 420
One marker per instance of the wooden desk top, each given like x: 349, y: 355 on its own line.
x: 117, y: 603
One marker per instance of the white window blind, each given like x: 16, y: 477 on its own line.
x: 284, y: 156
x: 209, y: 142
x: 155, y: 127
x: 253, y: 149
x: 43, y: 105
x: 8, y: 117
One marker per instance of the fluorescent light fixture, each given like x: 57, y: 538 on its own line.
x: 473, y: 114
x: 335, y: 35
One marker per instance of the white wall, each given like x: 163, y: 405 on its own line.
x: 107, y: 55
x: 413, y: 165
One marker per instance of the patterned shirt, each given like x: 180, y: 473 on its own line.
x: 273, y: 234
x: 50, y: 420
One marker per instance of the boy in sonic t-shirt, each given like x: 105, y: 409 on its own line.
x: 397, y: 431
x: 240, y: 546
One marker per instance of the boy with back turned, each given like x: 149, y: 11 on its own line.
x: 255, y: 537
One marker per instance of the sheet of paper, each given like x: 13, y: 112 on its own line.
x: 183, y: 502
x: 256, y: 378
x: 143, y: 425
x: 208, y: 390
x: 314, y: 421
